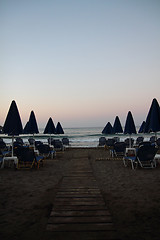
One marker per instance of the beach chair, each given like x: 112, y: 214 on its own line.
x: 3, y: 148
x: 118, y: 149
x: 45, y: 150
x: 129, y: 142
x: 58, y: 145
x: 139, y: 140
x: 27, y: 158
x: 1, y: 158
x: 152, y: 139
x: 109, y: 144
x: 31, y: 141
x: 144, y: 157
x: 102, y: 141
x: 19, y: 140
x: 158, y: 143
x: 65, y: 141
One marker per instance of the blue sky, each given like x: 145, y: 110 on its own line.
x: 79, y: 62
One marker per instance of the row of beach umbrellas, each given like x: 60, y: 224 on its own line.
x: 152, y: 123
x: 117, y: 127
x: 32, y: 128
x: 13, y: 125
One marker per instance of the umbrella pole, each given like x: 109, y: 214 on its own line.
x: 12, y: 144
x: 130, y: 140
x: 34, y: 147
x: 50, y: 141
x: 155, y: 136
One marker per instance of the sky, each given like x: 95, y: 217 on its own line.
x: 81, y: 62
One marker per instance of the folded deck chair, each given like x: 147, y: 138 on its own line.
x: 144, y: 157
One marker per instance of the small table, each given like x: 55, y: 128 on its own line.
x: 11, y: 161
x: 157, y: 158
x: 130, y: 152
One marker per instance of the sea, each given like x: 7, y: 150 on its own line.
x: 79, y: 137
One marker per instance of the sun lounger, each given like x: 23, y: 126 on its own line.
x: 144, y: 157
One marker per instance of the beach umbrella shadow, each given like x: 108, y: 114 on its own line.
x: 13, y: 125
x: 130, y: 126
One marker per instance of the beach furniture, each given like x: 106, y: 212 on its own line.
x: 144, y: 157
x: 1, y: 160
x: 27, y: 158
x: 58, y: 145
x: 102, y: 141
x: 129, y: 142
x: 110, y: 142
x: 158, y: 143
x: 152, y: 139
x: 45, y: 150
x: 65, y: 141
x: 139, y: 140
x: 31, y: 141
x: 19, y: 140
x: 119, y: 149
x: 4, y: 149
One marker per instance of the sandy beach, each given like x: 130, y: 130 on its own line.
x: 133, y: 197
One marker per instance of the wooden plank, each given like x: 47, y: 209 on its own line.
x: 80, y: 195
x: 80, y: 219
x: 76, y: 189
x: 85, y: 235
x: 78, y: 198
x: 79, y: 207
x: 80, y: 203
x: 81, y: 227
x: 77, y: 213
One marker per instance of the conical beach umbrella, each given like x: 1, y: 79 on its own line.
x: 141, y: 129
x: 59, y: 129
x: 108, y: 129
x: 153, y: 118
x: 50, y: 128
x: 26, y: 128
x: 32, y: 124
x: 13, y: 124
x: 129, y: 126
x: 117, y: 127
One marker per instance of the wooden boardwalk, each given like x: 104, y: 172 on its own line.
x: 79, y: 210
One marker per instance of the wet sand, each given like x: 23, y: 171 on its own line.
x: 133, y: 197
